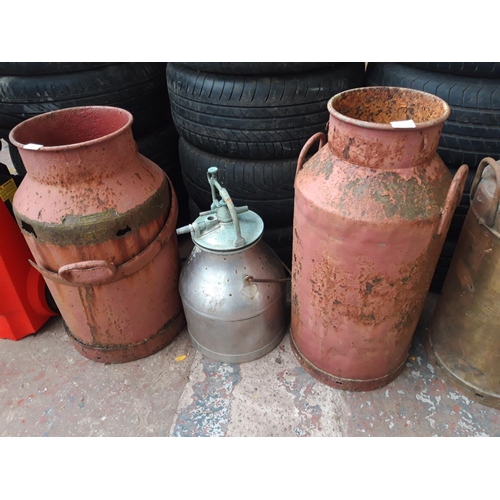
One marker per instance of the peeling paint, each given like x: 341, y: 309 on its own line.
x: 209, y: 413
x: 300, y: 385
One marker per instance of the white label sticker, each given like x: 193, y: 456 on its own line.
x: 403, y: 124
x: 33, y: 146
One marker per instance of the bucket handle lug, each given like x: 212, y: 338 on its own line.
x: 90, y: 272
x: 455, y: 192
x: 214, y: 183
x: 489, y: 220
x: 307, y: 146
x: 251, y: 279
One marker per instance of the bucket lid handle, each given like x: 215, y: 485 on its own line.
x: 225, y: 200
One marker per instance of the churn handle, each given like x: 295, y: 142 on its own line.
x: 455, y: 192
x: 90, y: 272
x: 479, y: 173
x: 214, y: 183
x: 307, y: 147
x: 477, y: 179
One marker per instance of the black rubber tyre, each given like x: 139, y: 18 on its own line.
x: 137, y: 87
x: 266, y: 186
x: 184, y: 217
x: 194, y: 209
x: 162, y: 147
x: 477, y: 70
x: 255, y: 117
x: 280, y: 240
x: 15, y: 158
x: 456, y: 226
x: 45, y: 68
x: 472, y: 131
x: 254, y: 68
x: 443, y: 266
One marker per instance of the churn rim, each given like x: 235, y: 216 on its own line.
x: 388, y: 126
x: 75, y: 145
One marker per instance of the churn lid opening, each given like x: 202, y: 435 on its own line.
x: 377, y: 107
x: 71, y: 127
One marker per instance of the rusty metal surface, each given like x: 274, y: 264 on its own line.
x: 375, y: 107
x: 373, y: 142
x: 100, y: 220
x: 464, y: 340
x: 131, y: 352
x: 372, y: 208
x: 96, y: 228
x: 344, y: 383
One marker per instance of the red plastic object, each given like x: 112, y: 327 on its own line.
x: 23, y: 305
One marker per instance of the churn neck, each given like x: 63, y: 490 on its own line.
x: 75, y: 144
x: 386, y: 127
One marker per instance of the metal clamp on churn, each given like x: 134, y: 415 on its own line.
x: 231, y: 316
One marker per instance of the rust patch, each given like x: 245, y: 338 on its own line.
x: 81, y: 230
x: 341, y: 383
x: 369, y: 297
x: 386, y: 104
x: 414, y: 198
x: 133, y: 351
x: 345, y: 153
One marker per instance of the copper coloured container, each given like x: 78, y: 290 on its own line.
x: 99, y: 219
x: 372, y: 208
x: 464, y: 334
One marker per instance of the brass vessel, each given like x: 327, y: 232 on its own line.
x: 464, y: 333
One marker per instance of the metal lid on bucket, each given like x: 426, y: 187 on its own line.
x: 224, y: 228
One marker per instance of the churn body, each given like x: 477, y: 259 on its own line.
x: 372, y: 208
x: 464, y: 333
x: 100, y: 220
x: 231, y: 319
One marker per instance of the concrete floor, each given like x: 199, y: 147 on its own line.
x: 48, y: 389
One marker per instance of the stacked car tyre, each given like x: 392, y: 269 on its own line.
x: 472, y: 131
x: 29, y: 89
x: 251, y: 121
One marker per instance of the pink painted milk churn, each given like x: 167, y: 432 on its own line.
x: 99, y: 219
x: 372, y: 209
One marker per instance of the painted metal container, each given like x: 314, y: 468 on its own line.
x: 464, y: 333
x: 23, y: 306
x: 372, y: 208
x: 99, y: 219
x: 232, y: 285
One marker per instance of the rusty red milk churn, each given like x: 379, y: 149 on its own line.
x: 372, y: 209
x: 99, y: 219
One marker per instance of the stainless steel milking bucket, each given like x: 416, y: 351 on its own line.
x: 232, y: 285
